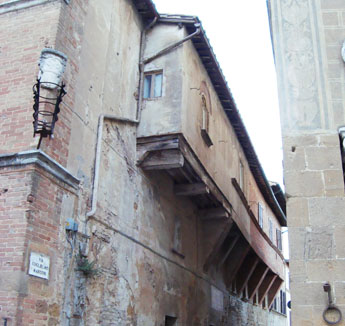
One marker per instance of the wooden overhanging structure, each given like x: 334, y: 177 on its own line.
x: 225, y: 247
x: 209, y: 60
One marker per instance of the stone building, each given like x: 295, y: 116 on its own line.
x: 308, y: 45
x: 149, y: 205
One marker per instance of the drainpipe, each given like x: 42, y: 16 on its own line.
x: 141, y: 67
x: 173, y: 46
x: 138, y: 114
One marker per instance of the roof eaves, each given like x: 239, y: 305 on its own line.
x: 146, y: 9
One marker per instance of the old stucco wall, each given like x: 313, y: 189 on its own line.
x: 308, y: 36
x: 162, y: 115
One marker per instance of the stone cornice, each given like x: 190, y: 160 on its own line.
x: 42, y: 160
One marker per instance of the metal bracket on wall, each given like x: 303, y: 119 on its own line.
x: 331, y: 315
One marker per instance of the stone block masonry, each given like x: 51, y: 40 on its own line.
x: 312, y: 155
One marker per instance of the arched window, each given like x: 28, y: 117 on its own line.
x: 205, y: 114
x: 205, y: 124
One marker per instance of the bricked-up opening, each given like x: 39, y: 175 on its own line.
x: 170, y: 321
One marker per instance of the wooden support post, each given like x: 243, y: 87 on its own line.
x: 163, y: 160
x: 192, y: 189
x: 256, y: 279
x: 235, y: 260
x: 246, y: 272
x: 213, y: 213
x: 274, y: 290
x: 231, y: 246
x: 214, y: 236
x: 266, y: 285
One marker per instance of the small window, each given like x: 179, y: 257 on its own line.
x: 170, y: 321
x: 260, y: 215
x: 205, y: 122
x: 241, y: 175
x: 279, y: 239
x: 270, y: 229
x: 153, y: 84
x: 205, y: 114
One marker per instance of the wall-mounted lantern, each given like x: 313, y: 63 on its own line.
x: 48, y: 92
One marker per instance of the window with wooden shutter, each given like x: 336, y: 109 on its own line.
x: 260, y: 215
x: 279, y: 239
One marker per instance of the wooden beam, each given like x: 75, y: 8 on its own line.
x: 273, y: 291
x: 266, y: 285
x: 231, y: 246
x: 235, y: 260
x: 162, y: 160
x: 202, y: 173
x: 256, y: 279
x: 213, y: 213
x: 246, y: 272
x: 145, y: 148
x: 191, y: 189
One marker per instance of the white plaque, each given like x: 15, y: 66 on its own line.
x: 39, y: 265
x: 217, y: 302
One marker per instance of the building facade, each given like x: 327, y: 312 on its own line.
x: 149, y: 205
x: 308, y: 41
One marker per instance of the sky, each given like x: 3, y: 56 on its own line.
x: 239, y: 34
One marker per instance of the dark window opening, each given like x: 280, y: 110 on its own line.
x: 205, y: 121
x: 342, y: 147
x: 170, y: 321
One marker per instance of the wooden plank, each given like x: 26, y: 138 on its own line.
x: 235, y: 260
x: 191, y: 189
x: 145, y: 148
x: 228, y: 250
x: 273, y: 291
x: 213, y: 213
x: 156, y: 139
x: 266, y: 285
x: 246, y: 271
x: 162, y: 160
x: 256, y: 279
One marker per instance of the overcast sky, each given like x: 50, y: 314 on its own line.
x: 239, y: 34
